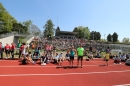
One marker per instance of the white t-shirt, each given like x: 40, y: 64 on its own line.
x: 24, y: 51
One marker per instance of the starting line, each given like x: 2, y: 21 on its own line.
x: 61, y: 74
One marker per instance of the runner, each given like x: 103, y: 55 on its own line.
x: 72, y: 53
x: 80, y: 53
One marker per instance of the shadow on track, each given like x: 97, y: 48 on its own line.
x: 67, y: 67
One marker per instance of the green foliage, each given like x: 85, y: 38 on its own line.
x: 27, y: 23
x: 95, y: 35
x: 75, y: 29
x: 49, y: 30
x: 6, y: 20
x: 57, y: 31
x: 115, y: 37
x: 19, y: 28
x: 20, y: 40
x: 109, y: 38
x: 9, y: 24
x: 83, y: 32
x: 126, y: 40
x: 103, y: 40
x: 86, y: 33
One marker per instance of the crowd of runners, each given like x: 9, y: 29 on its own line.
x: 73, y: 48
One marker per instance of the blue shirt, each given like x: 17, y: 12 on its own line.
x: 72, y: 53
x: 2, y: 46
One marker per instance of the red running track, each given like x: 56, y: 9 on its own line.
x: 93, y: 73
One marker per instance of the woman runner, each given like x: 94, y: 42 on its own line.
x: 72, y: 53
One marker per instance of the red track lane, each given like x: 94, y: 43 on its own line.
x: 71, y: 80
x: 54, y: 70
x: 94, y: 75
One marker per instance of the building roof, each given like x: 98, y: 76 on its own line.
x: 67, y: 32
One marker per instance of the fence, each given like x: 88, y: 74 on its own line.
x: 123, y: 47
x: 11, y: 34
x: 28, y: 37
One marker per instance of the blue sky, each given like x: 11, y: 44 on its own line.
x: 105, y: 16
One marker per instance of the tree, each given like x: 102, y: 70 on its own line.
x: 98, y: 35
x: 6, y: 20
x: 75, y: 29
x: 82, y: 32
x: 57, y: 31
x: 49, y: 30
x: 115, y: 37
x: 109, y: 38
x: 86, y: 33
x: 95, y: 35
x: 27, y: 23
x: 19, y: 28
x: 92, y: 35
x: 125, y: 40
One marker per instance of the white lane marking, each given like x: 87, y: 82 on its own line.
x: 86, y: 73
x: 122, y: 85
x: 52, y: 66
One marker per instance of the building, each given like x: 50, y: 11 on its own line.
x: 65, y: 34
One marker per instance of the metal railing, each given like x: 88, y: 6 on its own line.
x: 12, y: 34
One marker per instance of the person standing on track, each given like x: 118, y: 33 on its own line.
x: 7, y: 51
x: 107, y: 58
x: 20, y: 50
x: 12, y: 49
x: 1, y: 50
x: 80, y: 53
x: 72, y: 53
x: 24, y: 52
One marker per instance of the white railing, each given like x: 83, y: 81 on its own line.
x: 11, y: 34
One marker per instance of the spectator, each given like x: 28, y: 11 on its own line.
x: 80, y: 53
x: 1, y: 51
x: 12, y: 49
x: 72, y: 53
x: 117, y: 60
x: 107, y: 57
x: 7, y: 51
